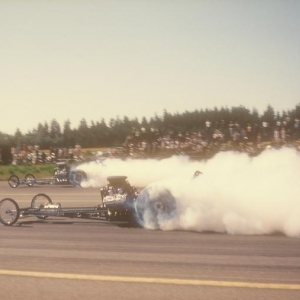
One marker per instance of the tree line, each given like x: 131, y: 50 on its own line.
x: 115, y: 132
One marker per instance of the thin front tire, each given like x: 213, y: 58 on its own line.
x: 39, y: 201
x: 9, y: 211
x: 13, y: 181
x: 30, y: 179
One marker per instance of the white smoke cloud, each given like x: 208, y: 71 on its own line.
x: 139, y: 172
x: 235, y: 194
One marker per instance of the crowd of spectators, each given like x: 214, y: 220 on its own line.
x: 213, y: 137
x: 251, y: 138
x: 34, y: 155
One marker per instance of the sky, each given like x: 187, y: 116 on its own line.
x: 103, y: 59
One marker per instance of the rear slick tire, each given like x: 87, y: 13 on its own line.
x: 77, y: 177
x: 154, y: 206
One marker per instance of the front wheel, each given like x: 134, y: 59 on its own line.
x: 9, y: 211
x: 154, y: 206
x: 30, y: 179
x: 39, y: 201
x: 13, y: 181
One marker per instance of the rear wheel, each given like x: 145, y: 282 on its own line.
x: 154, y: 206
x: 9, y: 211
x: 77, y: 177
x: 30, y: 179
x: 13, y: 181
x: 39, y: 201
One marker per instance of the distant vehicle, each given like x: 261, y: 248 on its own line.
x: 62, y: 175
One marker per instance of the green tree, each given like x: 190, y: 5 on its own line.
x: 269, y: 115
x: 55, y: 133
x: 18, y: 137
x: 68, y: 135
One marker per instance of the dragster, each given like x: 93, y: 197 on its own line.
x: 62, y: 175
x: 120, y: 201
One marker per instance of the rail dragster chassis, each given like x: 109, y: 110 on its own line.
x: 14, y: 181
x: 120, y: 202
x: 75, y: 178
x: 63, y: 174
x: 42, y: 207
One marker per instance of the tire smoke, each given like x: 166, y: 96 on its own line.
x: 235, y: 193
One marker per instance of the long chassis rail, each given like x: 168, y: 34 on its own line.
x: 10, y: 212
x: 14, y: 181
x: 70, y: 212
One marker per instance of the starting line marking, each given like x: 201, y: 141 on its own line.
x: 231, y: 284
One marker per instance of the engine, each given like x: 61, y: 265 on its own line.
x: 118, y: 197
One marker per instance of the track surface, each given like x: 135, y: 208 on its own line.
x: 92, y: 259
